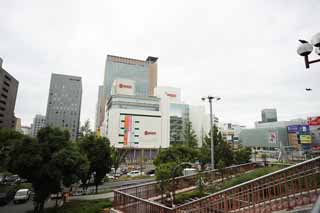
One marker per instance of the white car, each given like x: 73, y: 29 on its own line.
x: 135, y: 173
x: 22, y: 195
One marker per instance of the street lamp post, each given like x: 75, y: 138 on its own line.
x: 210, y: 98
x: 305, y: 48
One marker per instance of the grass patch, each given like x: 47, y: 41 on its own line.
x: 24, y: 186
x: 182, y: 197
x: 87, y: 206
x: 244, y: 177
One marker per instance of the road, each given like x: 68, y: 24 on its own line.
x: 23, y: 207
x: 28, y: 206
x: 117, y: 184
x: 110, y: 185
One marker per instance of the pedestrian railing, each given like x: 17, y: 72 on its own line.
x: 287, y: 188
x: 141, y: 198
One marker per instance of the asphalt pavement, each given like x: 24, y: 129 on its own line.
x: 23, y: 207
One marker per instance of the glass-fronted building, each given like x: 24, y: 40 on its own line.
x: 143, y: 73
x: 179, y: 116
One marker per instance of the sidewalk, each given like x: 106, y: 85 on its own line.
x: 108, y: 195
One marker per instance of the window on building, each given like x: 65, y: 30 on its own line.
x: 7, y: 77
x: 4, y: 96
x: 6, y: 83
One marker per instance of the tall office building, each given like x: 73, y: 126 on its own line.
x: 269, y: 115
x: 8, y: 95
x: 144, y: 73
x: 99, y: 109
x: 64, y: 103
x: 39, y: 121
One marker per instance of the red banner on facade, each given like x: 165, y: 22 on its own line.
x: 314, y: 121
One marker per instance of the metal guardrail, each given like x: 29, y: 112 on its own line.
x: 287, y: 188
x: 135, y: 198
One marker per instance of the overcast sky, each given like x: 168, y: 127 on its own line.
x: 243, y: 51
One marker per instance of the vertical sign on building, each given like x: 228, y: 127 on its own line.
x: 272, y: 139
x: 128, y: 126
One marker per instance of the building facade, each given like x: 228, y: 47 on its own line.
x: 231, y: 132
x: 8, y: 94
x: 264, y: 137
x: 280, y: 123
x: 39, y: 121
x: 26, y: 130
x: 269, y: 115
x: 64, y: 103
x: 99, y: 109
x: 133, y: 122
x: 200, y: 121
x: 144, y: 73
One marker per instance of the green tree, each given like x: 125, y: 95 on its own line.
x: 167, y: 160
x: 98, y: 152
x: 176, y: 154
x: 264, y: 159
x: 117, y: 157
x: 242, y: 155
x: 222, y: 150
x: 164, y: 175
x: 8, y: 138
x: 189, y: 135
x: 221, y: 166
x: 46, y: 162
x: 85, y: 129
x: 71, y: 163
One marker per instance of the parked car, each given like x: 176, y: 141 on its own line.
x: 135, y: 173
x: 13, y: 179
x: 58, y: 195
x: 151, y: 172
x: 22, y: 195
x: 7, y: 193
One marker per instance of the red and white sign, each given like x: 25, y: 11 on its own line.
x: 150, y: 133
x: 172, y: 95
x: 272, y: 137
x: 314, y: 121
x: 125, y: 86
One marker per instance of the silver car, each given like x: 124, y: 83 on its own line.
x: 22, y: 195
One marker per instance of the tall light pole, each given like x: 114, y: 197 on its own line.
x: 210, y: 98
x: 305, y: 48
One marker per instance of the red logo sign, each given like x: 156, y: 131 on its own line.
x: 171, y: 95
x: 149, y: 133
x: 314, y: 121
x: 125, y: 86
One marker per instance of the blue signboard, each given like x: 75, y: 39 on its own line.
x: 299, y: 129
x: 304, y: 130
x: 293, y: 129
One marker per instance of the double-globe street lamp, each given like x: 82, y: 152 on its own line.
x: 305, y: 48
x: 210, y: 99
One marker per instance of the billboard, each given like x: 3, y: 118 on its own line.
x: 314, y: 121
x: 299, y: 134
x: 272, y: 137
x: 305, y: 139
x: 123, y: 87
x: 143, y: 131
